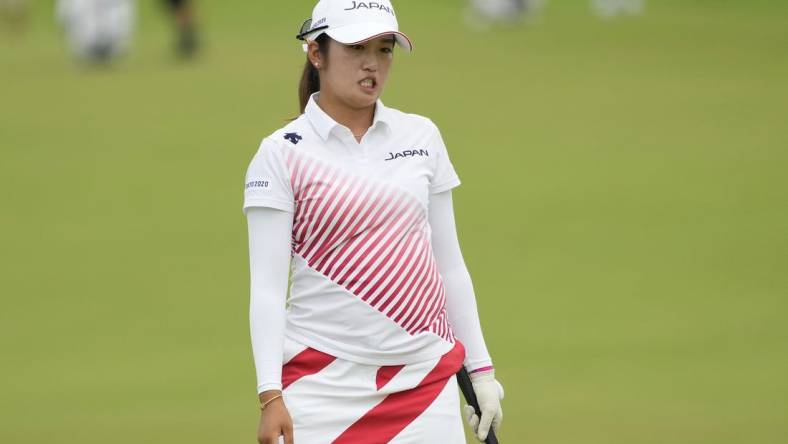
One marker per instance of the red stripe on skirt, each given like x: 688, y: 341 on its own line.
x: 385, y: 374
x: 387, y: 419
x: 308, y: 362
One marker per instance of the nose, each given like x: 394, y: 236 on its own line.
x: 370, y: 62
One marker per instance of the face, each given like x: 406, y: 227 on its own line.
x: 355, y: 74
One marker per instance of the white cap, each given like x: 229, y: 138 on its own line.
x: 353, y: 21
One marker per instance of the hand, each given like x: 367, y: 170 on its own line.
x: 489, y: 393
x: 275, y: 420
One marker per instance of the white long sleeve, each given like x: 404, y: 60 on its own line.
x: 269, y: 262
x: 460, y: 298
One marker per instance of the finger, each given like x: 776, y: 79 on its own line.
x: 500, y: 389
x: 469, y: 412
x: 475, y: 434
x: 472, y: 418
x: 484, y: 425
x: 288, y: 433
x: 474, y: 423
x: 497, y: 420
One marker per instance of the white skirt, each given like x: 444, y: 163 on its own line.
x: 332, y: 400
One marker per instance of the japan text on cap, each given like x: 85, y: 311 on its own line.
x: 352, y: 22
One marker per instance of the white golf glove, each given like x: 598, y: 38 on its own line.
x: 489, y: 393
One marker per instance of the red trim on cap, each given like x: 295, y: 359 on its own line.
x: 384, y: 33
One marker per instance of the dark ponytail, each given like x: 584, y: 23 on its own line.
x: 310, y: 78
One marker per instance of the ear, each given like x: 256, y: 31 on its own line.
x: 313, y: 53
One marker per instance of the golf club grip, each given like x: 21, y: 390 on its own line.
x: 464, y: 380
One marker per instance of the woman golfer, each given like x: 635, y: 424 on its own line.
x: 354, y: 198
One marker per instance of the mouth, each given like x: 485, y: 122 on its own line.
x: 368, y: 84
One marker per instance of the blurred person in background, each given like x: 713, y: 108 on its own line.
x: 97, y: 30
x: 613, y: 8
x: 503, y: 11
x: 355, y: 199
x: 183, y: 16
x: 14, y: 12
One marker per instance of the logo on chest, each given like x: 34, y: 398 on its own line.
x: 294, y: 138
x: 407, y: 153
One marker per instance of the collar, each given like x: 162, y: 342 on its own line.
x: 324, y: 124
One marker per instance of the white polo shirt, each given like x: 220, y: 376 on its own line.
x: 365, y: 284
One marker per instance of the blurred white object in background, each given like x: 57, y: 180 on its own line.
x: 503, y: 11
x: 613, y: 8
x: 498, y: 9
x: 97, y: 30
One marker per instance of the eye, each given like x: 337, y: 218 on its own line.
x: 357, y: 47
x: 387, y: 50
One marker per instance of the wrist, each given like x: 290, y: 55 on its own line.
x: 268, y: 395
x: 482, y: 373
x: 481, y: 368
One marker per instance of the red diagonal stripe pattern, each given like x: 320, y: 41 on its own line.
x: 372, y: 239
x: 308, y: 362
x: 385, y: 374
x: 387, y: 419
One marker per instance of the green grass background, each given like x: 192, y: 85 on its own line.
x: 623, y: 215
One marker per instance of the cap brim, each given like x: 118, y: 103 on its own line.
x: 364, y: 32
